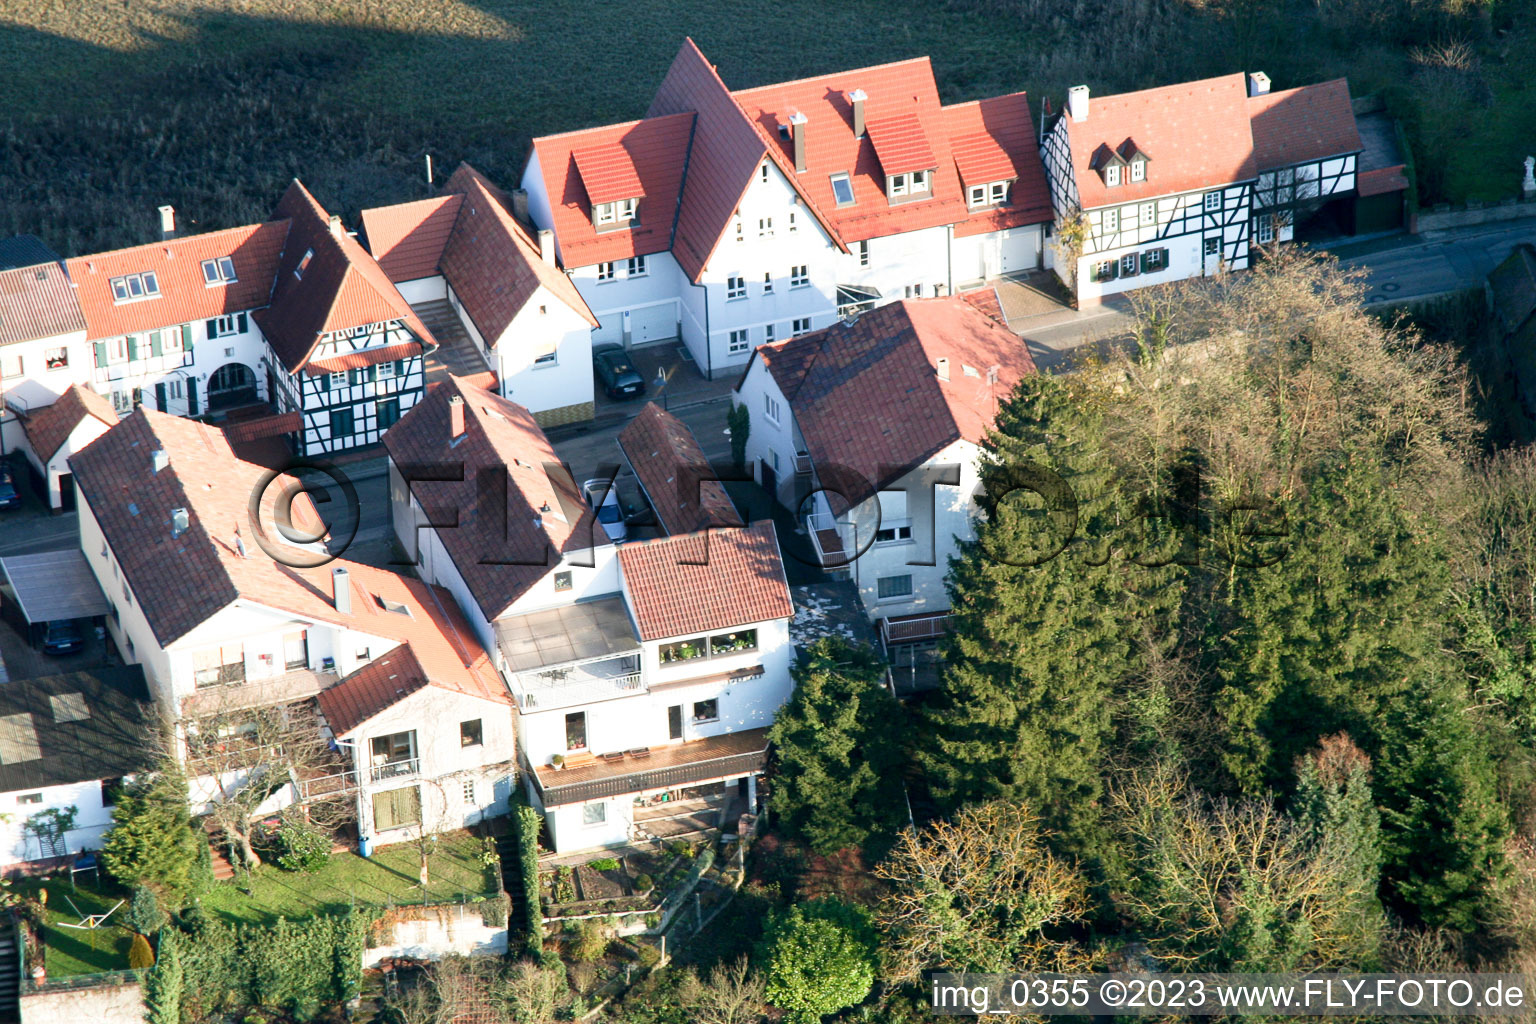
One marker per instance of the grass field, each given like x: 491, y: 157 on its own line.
x: 69, y: 952
x: 117, y: 106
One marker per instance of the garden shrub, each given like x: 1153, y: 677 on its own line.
x: 301, y: 847
x: 140, y: 956
x: 591, y: 941
x: 144, y: 914
x: 163, y: 984
x: 494, y: 911
x: 644, y: 883
x: 525, y: 822
x: 604, y: 864
x: 820, y: 958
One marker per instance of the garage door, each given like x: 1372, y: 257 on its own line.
x: 653, y: 323
x: 1021, y: 249
x: 611, y: 328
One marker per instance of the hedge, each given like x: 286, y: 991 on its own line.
x: 525, y: 825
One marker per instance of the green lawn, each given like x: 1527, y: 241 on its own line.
x: 391, y: 875
x: 73, y: 951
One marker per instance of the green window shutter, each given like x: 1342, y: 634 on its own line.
x: 241, y: 323
x: 399, y: 367
x: 101, y: 353
x: 154, y: 343
x: 133, y: 347
x: 191, y: 396
x: 160, y: 396
x: 373, y: 373
x: 186, y: 337
x: 324, y: 383
x: 213, y: 329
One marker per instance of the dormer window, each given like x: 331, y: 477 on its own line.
x: 913, y: 183
x: 1134, y: 160
x: 615, y: 214
x: 1139, y: 169
x: 1112, y: 174
x: 133, y: 287
x: 992, y: 194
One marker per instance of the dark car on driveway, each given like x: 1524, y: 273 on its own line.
x: 63, y: 637
x: 618, y: 375
x: 10, y: 497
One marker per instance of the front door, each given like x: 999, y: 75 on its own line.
x: 675, y: 722
x: 770, y: 480
x: 1210, y: 254
x: 66, y: 491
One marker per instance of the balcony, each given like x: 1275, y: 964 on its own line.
x: 583, y: 683
x: 911, y: 629
x: 394, y: 769
x: 832, y: 540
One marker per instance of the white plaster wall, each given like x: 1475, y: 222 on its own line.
x: 768, y: 439
x: 977, y: 258
x: 92, y: 819
x: 900, y: 262
x: 39, y: 386
x: 88, y: 430
x: 208, y: 354
x: 437, y: 932
x: 545, y: 320
x: 423, y: 289
x: 131, y: 625
x: 109, y: 1004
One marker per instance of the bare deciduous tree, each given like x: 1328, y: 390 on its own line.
x: 533, y: 993
x: 732, y: 994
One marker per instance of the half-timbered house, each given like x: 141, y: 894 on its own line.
x: 343, y: 348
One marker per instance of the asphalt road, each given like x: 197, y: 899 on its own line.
x: 1402, y: 268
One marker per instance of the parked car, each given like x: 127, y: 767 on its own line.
x: 63, y: 637
x: 617, y: 374
x: 10, y: 497
x: 603, y: 496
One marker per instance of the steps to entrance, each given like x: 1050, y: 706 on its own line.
x: 511, y: 881
x: 10, y: 974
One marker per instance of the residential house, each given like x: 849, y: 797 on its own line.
x: 42, y: 336
x: 675, y: 477
x: 67, y: 744
x: 733, y: 219
x: 224, y: 615
x: 56, y: 431
x: 651, y: 669
x: 1184, y: 180
x: 522, y: 314
x: 342, y: 346
x: 869, y: 430
x: 170, y: 325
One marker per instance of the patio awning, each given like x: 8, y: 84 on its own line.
x: 54, y: 585
x: 559, y: 636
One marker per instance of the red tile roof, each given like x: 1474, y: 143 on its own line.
x: 497, y: 546
x: 342, y: 287
x: 1294, y: 126
x: 408, y: 238
x: 262, y: 427
x: 900, y: 144
x: 1196, y: 134
x: 657, y: 148
x: 867, y: 397
x: 1379, y: 180
x: 725, y: 152
x: 185, y: 296
x: 389, y: 679
x: 37, y: 302
x: 675, y: 475
x: 902, y: 97
x: 706, y: 581
x: 360, y: 358
x: 49, y: 427
x: 180, y: 581
x: 994, y: 140
x: 496, y: 267
x: 608, y: 173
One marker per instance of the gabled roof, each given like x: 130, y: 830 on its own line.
x: 49, y: 427
x: 37, y: 302
x: 495, y: 267
x: 341, y: 286
x: 79, y: 727
x: 994, y: 140
x: 1293, y: 126
x: 902, y: 118
x: 867, y: 396
x: 25, y: 251
x: 608, y: 173
x: 185, y: 296
x: 697, y: 582
x: 656, y: 147
x: 502, y: 544
x: 675, y: 475
x: 408, y: 238
x: 725, y: 153
x: 181, y: 581
x: 1198, y: 129
x: 387, y: 680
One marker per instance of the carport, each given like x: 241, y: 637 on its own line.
x: 51, y: 585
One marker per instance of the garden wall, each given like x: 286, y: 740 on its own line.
x: 106, y: 1004
x: 1446, y: 216
x: 429, y: 933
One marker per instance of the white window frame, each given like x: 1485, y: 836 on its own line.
x: 589, y: 819
x: 1138, y: 170
x: 135, y: 287
x: 800, y: 325
x: 1112, y: 175
x: 1212, y: 202
x: 800, y: 275
x: 604, y: 273
x: 637, y: 267
x: 1130, y: 264
x: 898, y: 185
x: 999, y: 192
x: 768, y: 334
x: 1109, y: 220
x: 117, y: 351
x: 765, y: 227
x: 1148, y: 214
x: 56, y: 358
x: 739, y: 341
x: 223, y: 327
x: 905, y: 596
x: 11, y: 365
x: 977, y: 195
x: 771, y: 408
x: 469, y: 792
x: 218, y: 271
x: 735, y: 287
x: 918, y: 181
x: 900, y: 530
x: 1265, y: 232
x: 1211, y: 246
x: 624, y: 209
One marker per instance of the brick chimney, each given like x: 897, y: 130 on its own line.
x: 1077, y: 102
x: 456, y: 416
x: 797, y: 132
x: 341, y: 589
x: 857, y: 98
x: 167, y: 222
x: 520, y: 205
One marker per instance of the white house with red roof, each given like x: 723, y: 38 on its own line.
x: 524, y: 316
x: 54, y: 432
x: 645, y: 674
x: 869, y: 432
x: 734, y: 219
x: 42, y: 339
x: 1183, y: 180
x: 224, y: 615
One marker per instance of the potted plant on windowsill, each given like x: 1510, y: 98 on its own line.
x: 558, y: 760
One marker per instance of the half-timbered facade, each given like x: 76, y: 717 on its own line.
x: 1184, y: 180
x: 343, y: 347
